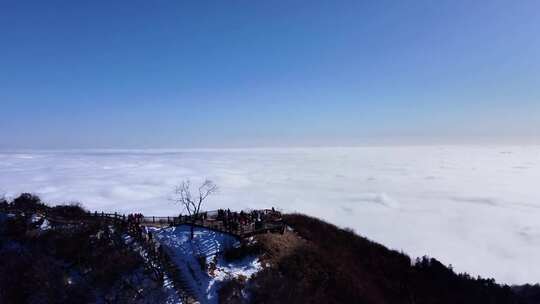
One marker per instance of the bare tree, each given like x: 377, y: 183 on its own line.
x: 191, y: 202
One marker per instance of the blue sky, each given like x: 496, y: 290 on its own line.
x: 185, y: 74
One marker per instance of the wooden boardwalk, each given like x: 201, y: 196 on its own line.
x: 240, y: 225
x: 271, y: 222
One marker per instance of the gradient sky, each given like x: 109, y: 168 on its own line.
x: 184, y: 74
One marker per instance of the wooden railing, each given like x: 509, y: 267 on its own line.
x: 209, y: 221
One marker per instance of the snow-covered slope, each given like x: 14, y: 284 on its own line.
x: 207, y: 244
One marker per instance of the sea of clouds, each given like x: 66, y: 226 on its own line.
x: 477, y: 208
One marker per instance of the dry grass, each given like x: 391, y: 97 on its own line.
x: 278, y: 246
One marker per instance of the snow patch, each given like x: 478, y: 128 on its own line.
x: 206, y: 244
x: 45, y: 225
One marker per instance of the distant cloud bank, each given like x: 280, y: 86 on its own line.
x: 474, y: 207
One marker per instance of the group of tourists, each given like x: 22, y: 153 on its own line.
x: 252, y: 220
x: 225, y: 219
x: 135, y: 217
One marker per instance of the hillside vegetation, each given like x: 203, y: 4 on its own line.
x: 312, y: 262
x: 332, y: 265
x: 83, y: 262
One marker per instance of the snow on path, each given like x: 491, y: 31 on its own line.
x: 207, y: 243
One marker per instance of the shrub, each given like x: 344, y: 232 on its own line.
x: 529, y: 293
x: 73, y: 210
x: 202, y: 262
x: 242, y: 251
x: 3, y: 201
x: 28, y: 202
x: 231, y: 291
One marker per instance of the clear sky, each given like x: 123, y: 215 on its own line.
x: 186, y: 74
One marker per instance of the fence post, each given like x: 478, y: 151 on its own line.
x: 153, y: 219
x: 102, y: 214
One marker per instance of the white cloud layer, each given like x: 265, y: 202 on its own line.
x: 475, y: 207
